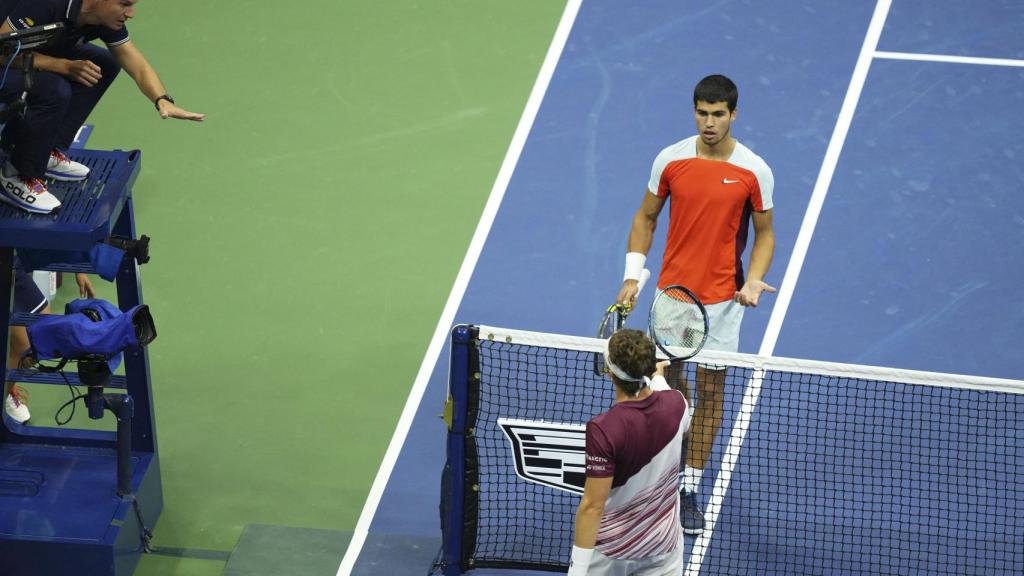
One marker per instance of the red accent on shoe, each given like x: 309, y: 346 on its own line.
x: 35, y: 185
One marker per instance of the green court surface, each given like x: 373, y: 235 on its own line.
x: 305, y: 239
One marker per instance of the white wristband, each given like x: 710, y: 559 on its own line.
x: 634, y: 266
x: 580, y: 561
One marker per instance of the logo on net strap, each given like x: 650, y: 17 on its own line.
x: 548, y: 453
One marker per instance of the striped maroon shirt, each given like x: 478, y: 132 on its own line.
x: 638, y: 444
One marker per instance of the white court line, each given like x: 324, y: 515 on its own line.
x: 785, y: 294
x: 483, y: 228
x: 950, y: 59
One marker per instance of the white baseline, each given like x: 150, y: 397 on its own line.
x: 950, y: 59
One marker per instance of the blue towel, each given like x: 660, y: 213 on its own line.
x: 76, y: 335
x: 105, y: 259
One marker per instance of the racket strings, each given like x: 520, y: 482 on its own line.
x: 678, y: 322
x: 687, y: 336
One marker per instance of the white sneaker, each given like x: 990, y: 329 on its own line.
x: 29, y: 194
x: 60, y: 167
x: 16, y: 409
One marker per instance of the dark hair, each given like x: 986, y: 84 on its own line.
x: 716, y: 88
x: 633, y: 352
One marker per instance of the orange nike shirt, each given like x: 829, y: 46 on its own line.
x: 709, y: 216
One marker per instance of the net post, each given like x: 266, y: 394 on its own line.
x: 453, y: 482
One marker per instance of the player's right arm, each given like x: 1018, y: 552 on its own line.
x: 641, y: 235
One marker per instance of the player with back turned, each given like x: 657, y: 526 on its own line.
x: 628, y: 518
x: 715, y: 187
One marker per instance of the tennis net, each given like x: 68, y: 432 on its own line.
x: 819, y: 468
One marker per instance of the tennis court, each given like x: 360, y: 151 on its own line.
x: 308, y: 235
x: 890, y: 128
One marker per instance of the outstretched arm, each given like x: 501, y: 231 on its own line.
x: 760, y: 259
x: 146, y: 78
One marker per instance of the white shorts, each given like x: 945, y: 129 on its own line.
x: 670, y: 564
x: 724, y: 320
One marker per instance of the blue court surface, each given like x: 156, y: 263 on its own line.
x: 917, y: 255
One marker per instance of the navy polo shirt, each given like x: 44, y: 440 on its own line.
x: 29, y: 13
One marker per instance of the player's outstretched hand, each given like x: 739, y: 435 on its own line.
x: 168, y: 110
x: 751, y: 293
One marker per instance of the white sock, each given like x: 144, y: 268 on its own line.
x: 689, y: 480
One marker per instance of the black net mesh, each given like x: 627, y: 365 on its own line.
x: 810, y: 474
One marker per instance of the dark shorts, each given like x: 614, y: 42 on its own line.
x: 27, y: 297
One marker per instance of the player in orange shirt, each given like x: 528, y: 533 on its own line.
x: 717, y: 186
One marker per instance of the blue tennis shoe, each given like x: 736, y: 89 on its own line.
x: 690, y: 516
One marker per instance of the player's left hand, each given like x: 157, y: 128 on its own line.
x: 751, y: 293
x: 85, y: 289
x: 168, y: 110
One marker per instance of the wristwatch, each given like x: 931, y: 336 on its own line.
x: 162, y: 97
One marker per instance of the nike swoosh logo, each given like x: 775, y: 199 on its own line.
x: 727, y: 181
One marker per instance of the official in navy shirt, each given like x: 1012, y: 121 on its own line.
x: 71, y: 76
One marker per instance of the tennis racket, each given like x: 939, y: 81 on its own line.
x: 613, y: 320
x: 678, y: 323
